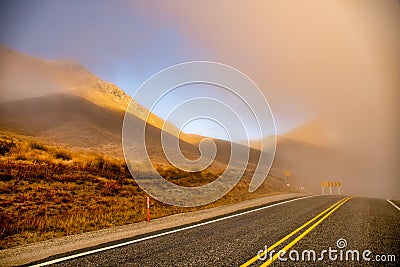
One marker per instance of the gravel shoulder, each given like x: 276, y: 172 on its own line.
x: 41, y: 250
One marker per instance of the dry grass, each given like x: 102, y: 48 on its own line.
x: 48, y: 191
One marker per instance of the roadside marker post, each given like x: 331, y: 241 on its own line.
x: 323, y: 184
x: 148, y: 210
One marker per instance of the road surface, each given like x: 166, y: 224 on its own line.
x: 341, y: 231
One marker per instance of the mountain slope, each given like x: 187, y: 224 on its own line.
x: 64, y: 103
x: 64, y: 119
x: 74, y: 121
x: 23, y: 77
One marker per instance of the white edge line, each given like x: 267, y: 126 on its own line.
x: 394, y: 205
x: 164, y: 233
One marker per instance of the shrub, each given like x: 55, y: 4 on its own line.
x: 170, y: 172
x: 97, y: 162
x: 5, y: 146
x: 61, y: 154
x: 38, y: 146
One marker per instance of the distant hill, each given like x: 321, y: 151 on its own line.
x: 62, y: 102
x: 309, y: 163
x: 314, y: 132
x: 309, y: 154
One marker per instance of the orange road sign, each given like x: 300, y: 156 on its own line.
x: 330, y: 184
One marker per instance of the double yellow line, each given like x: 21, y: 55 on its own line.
x: 322, y: 216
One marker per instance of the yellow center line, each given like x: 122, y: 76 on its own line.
x: 297, y: 239
x: 255, y: 258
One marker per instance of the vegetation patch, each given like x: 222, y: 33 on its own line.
x: 48, y: 191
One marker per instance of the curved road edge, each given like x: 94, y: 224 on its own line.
x: 41, y: 250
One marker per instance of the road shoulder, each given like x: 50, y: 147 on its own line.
x: 44, y: 249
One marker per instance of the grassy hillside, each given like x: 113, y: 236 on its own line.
x: 48, y: 191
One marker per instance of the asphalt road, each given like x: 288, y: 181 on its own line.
x: 366, y: 224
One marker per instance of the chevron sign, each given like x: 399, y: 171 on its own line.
x: 330, y: 184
